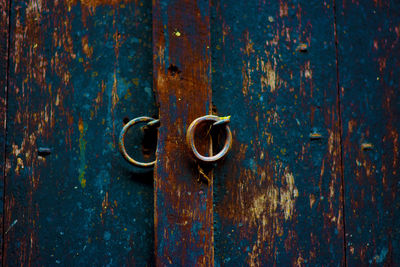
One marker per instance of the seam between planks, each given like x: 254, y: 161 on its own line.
x: 340, y: 130
x: 7, y: 85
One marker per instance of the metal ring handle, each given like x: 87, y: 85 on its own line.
x: 121, y: 143
x: 217, y: 120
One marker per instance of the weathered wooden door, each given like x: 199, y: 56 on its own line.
x: 312, y: 88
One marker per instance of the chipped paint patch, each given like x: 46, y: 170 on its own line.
x: 93, y: 4
x: 288, y: 193
x: 380, y: 258
x: 269, y: 77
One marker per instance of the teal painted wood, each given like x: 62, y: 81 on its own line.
x: 4, y: 45
x: 78, y: 69
x: 278, y: 194
x: 369, y: 63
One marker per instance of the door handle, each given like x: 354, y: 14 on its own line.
x: 151, y: 122
x: 190, y: 136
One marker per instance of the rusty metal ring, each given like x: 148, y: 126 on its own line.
x: 190, y: 137
x: 121, y: 143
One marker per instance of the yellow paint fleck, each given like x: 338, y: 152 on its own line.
x: 135, y: 81
x: 225, y: 118
x: 20, y: 165
x: 83, y: 182
x: 177, y: 33
x: 80, y: 125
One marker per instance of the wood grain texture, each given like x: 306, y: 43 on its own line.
x: 77, y: 69
x: 278, y: 195
x: 369, y: 63
x: 182, y: 72
x: 4, y: 45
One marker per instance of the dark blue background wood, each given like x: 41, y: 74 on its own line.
x: 278, y: 193
x: 369, y: 67
x: 77, y: 70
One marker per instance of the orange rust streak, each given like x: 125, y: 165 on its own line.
x: 92, y: 4
x: 183, y: 91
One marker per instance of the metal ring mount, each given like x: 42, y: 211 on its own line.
x: 217, y: 120
x: 121, y: 143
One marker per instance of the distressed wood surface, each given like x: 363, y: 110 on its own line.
x: 77, y: 70
x: 278, y: 193
x: 369, y: 64
x: 4, y: 39
x: 182, y: 72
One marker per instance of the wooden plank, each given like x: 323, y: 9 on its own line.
x: 369, y: 62
x: 4, y: 44
x: 183, y: 206
x: 78, y: 68
x: 278, y: 193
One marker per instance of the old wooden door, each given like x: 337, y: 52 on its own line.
x: 312, y: 177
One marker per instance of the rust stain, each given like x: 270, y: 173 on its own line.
x: 114, y: 92
x: 312, y: 200
x: 262, y: 208
x: 105, y: 205
x: 225, y: 31
x: 98, y: 101
x: 246, y: 78
x: 82, y: 126
x: 283, y: 9
x: 184, y: 207
x: 93, y: 4
x: 248, y: 50
x: 85, y: 46
x: 87, y: 50
x: 117, y: 45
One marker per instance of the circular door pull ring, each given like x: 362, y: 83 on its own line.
x: 216, y: 121
x: 121, y: 143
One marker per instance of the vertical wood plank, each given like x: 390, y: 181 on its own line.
x: 369, y: 63
x: 4, y: 45
x: 278, y: 195
x: 183, y: 206
x: 77, y: 70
